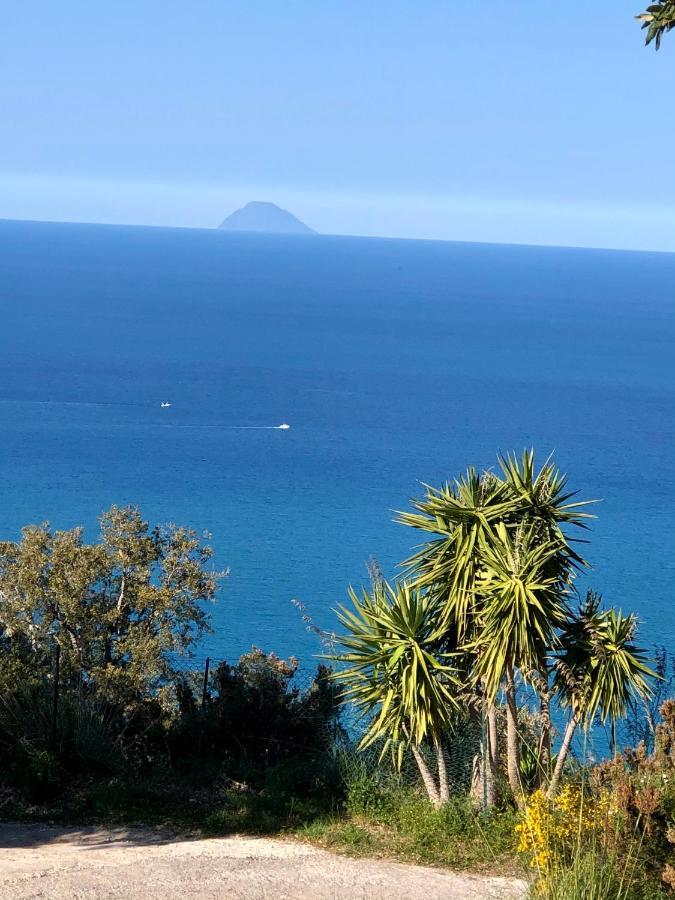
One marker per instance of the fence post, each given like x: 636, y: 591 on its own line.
x: 55, y: 693
x: 206, y: 681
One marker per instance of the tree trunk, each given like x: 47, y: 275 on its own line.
x: 562, y: 756
x: 483, y: 780
x: 427, y: 778
x: 443, y: 785
x: 512, y: 739
x: 478, y: 800
x: 545, y: 742
x: 492, y: 737
x: 493, y: 756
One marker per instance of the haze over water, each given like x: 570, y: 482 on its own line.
x: 394, y: 362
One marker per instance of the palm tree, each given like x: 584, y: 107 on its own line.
x: 524, y: 605
x: 599, y: 671
x: 460, y: 513
x: 547, y: 507
x: 398, y: 677
x: 483, y: 523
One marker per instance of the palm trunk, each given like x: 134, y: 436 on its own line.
x: 545, y: 740
x: 443, y: 784
x: 427, y: 778
x: 492, y: 757
x: 562, y: 756
x: 492, y: 738
x: 477, y: 789
x: 483, y: 776
x: 512, y: 740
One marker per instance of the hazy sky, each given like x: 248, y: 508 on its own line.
x: 505, y: 120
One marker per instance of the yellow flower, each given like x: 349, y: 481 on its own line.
x: 550, y: 829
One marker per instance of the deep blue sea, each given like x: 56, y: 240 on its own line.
x: 394, y: 362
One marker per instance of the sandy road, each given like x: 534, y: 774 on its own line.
x: 143, y: 864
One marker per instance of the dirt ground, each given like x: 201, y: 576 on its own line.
x: 38, y: 861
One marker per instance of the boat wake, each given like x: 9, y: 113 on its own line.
x: 283, y: 427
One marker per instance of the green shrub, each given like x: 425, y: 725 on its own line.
x: 37, y: 774
x: 256, y: 717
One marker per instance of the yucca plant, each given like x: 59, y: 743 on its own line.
x: 658, y: 19
x: 546, y: 503
x: 397, y: 676
x: 598, y: 671
x: 476, y: 563
x: 460, y: 514
x: 524, y: 605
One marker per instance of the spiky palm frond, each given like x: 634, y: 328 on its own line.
x: 464, y: 515
x: 459, y: 513
x: 524, y: 603
x: 600, y: 669
x: 542, y: 498
x: 658, y: 19
x: 543, y: 494
x: 396, y: 674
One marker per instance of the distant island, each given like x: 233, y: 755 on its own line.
x: 259, y: 216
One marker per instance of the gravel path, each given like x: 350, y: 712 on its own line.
x: 50, y: 863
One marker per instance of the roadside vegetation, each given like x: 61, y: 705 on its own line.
x: 439, y: 727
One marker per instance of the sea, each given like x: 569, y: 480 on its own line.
x: 395, y: 363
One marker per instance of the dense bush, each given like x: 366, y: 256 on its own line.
x: 612, y: 833
x: 255, y: 717
x: 642, y: 787
x: 92, y: 684
x: 256, y: 729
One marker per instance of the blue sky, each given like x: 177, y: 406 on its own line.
x: 509, y: 120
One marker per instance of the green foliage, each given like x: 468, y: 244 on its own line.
x: 370, y: 790
x: 599, y: 668
x: 256, y: 718
x: 396, y: 672
x: 465, y: 515
x: 590, y: 876
x: 459, y: 513
x: 658, y: 19
x: 501, y: 563
x: 642, y: 788
x: 393, y: 820
x: 120, y: 610
x: 524, y: 603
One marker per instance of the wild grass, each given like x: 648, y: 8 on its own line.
x: 593, y: 875
x: 385, y: 817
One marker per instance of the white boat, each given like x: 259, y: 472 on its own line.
x: 165, y: 405
x: 283, y: 426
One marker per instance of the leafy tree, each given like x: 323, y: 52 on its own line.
x: 598, y: 671
x: 658, y: 20
x: 398, y: 677
x: 120, y: 610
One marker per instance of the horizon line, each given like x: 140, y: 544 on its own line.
x: 320, y: 234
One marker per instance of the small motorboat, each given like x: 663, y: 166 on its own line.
x: 165, y: 405
x: 283, y: 427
